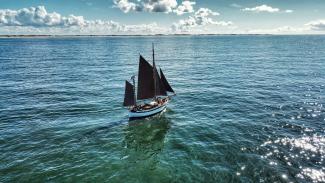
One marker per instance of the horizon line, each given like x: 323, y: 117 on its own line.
x: 135, y: 35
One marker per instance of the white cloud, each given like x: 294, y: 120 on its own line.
x: 185, y: 7
x: 165, y: 6
x: 265, y: 8
x: 288, y: 11
x: 262, y: 8
x: 201, y: 17
x: 317, y: 25
x: 204, y: 12
x: 235, y: 5
x: 125, y: 5
x: 38, y: 17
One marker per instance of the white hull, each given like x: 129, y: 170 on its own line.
x: 146, y: 113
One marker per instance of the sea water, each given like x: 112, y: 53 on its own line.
x: 247, y: 109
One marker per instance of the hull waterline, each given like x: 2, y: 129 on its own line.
x: 147, y: 113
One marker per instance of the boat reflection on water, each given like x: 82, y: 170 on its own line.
x: 144, y: 140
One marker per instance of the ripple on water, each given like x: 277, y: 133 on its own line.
x: 248, y: 109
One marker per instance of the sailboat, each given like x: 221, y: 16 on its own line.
x: 153, y: 90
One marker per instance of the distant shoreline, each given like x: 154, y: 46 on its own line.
x: 149, y: 35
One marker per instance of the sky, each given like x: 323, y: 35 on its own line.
x: 124, y: 17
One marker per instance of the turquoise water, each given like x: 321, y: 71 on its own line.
x: 248, y: 109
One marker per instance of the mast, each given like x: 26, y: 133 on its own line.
x: 153, y: 54
x: 159, y: 88
x: 135, y: 98
x: 153, y: 69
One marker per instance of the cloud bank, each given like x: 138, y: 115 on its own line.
x: 38, y: 20
x: 279, y: 30
x: 317, y: 25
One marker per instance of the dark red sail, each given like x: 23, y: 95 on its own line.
x: 159, y: 86
x: 146, y: 87
x: 129, y: 99
x: 165, y: 82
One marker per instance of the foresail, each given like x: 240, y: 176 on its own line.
x: 159, y: 86
x: 165, y: 82
x: 146, y: 88
x: 129, y: 99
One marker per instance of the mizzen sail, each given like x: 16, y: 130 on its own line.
x: 129, y: 98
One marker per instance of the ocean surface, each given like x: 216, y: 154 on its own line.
x: 247, y: 109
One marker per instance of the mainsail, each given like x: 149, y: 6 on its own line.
x: 146, y: 87
x: 129, y: 98
x: 149, y: 81
x: 165, y: 82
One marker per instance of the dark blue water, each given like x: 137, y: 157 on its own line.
x: 248, y: 109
